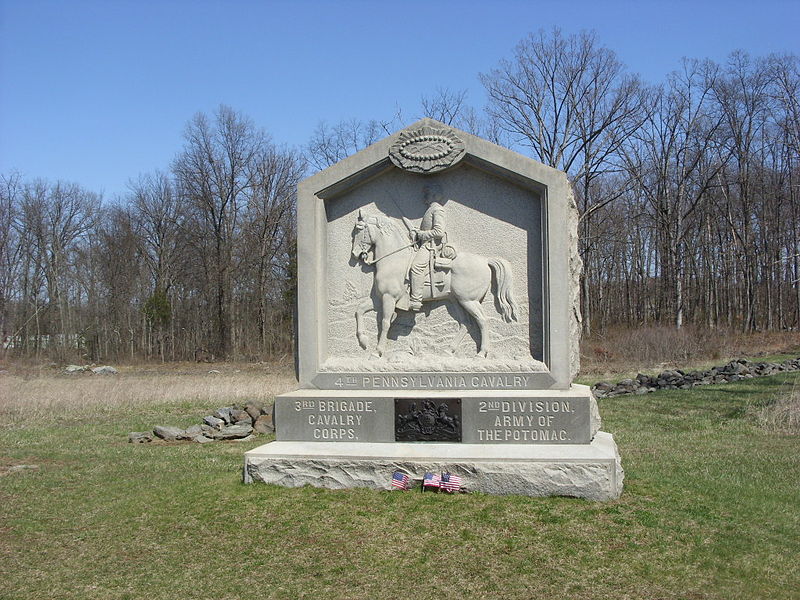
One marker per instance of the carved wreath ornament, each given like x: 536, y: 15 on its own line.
x: 426, y: 150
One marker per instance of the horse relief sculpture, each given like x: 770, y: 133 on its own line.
x: 418, y: 265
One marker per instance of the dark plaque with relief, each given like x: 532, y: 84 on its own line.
x: 427, y: 419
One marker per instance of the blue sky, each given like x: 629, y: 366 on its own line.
x: 98, y: 92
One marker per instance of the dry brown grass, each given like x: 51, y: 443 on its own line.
x: 783, y: 415
x: 621, y: 349
x: 35, y: 391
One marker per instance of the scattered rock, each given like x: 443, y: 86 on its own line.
x: 16, y: 468
x: 105, y: 370
x: 232, y: 432
x: 214, y: 422
x: 241, y: 417
x: 167, y: 433
x: 191, y: 432
x: 227, y: 423
x: 214, y: 372
x: 224, y: 414
x: 74, y: 369
x: 253, y: 409
x: 264, y: 424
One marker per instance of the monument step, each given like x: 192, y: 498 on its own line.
x: 592, y: 471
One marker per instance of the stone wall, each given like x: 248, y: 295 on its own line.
x: 736, y: 370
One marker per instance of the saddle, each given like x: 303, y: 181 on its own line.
x: 437, y: 277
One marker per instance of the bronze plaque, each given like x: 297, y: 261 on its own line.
x: 427, y: 419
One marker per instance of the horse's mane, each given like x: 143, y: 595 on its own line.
x: 385, y: 225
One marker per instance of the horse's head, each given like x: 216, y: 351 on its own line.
x: 362, y: 239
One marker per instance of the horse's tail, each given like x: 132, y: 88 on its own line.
x: 502, y: 272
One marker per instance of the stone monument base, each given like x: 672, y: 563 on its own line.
x: 592, y: 471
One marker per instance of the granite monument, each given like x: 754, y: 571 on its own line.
x: 465, y: 253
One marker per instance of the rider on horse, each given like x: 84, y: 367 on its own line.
x: 429, y: 236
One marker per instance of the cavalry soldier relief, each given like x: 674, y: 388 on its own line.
x: 417, y: 265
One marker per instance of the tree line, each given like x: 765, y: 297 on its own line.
x: 197, y: 260
x: 687, y: 191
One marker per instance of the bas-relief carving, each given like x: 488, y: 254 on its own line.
x: 434, y: 275
x: 427, y: 149
x: 383, y: 250
x: 431, y: 420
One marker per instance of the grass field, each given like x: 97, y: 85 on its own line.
x: 711, y: 506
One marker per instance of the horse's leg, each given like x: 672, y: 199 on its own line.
x: 363, y: 308
x: 462, y: 326
x: 473, y: 307
x: 388, y: 303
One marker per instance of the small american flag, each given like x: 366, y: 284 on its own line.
x: 400, y: 480
x: 431, y: 480
x: 450, y: 483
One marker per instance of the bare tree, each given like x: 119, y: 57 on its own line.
x: 743, y: 100
x: 270, y: 234
x: 158, y: 218
x: 57, y: 218
x: 450, y: 107
x: 330, y: 144
x: 216, y: 171
x: 10, y: 248
x: 444, y: 105
x: 669, y: 161
x: 571, y: 104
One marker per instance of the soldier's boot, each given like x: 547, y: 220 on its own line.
x: 417, y: 285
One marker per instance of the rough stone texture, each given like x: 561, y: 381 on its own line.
x: 595, y: 422
x: 213, y: 422
x: 233, y: 432
x: 191, y: 433
x: 575, y: 270
x: 241, y: 417
x: 213, y: 428
x: 74, y: 369
x: 167, y: 433
x: 680, y: 380
x: 264, y: 424
x: 224, y: 414
x: 104, y: 370
x: 592, y: 471
x: 254, y: 409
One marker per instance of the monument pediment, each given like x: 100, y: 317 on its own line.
x: 498, y: 205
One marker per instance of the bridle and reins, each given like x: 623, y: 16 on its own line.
x: 362, y: 225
